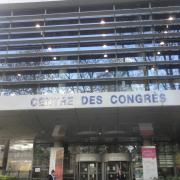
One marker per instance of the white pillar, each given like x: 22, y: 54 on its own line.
x: 57, y: 152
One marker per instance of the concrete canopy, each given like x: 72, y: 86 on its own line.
x: 90, y: 122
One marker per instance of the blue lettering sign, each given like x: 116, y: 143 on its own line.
x: 113, y: 99
x: 52, y: 101
x: 138, y: 98
x: 122, y: 99
x: 84, y: 100
x: 34, y: 102
x: 92, y: 100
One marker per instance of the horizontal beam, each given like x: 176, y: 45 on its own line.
x: 87, y: 26
x: 89, y: 14
x: 146, y: 79
x: 86, y: 38
x: 76, y: 51
x: 93, y: 67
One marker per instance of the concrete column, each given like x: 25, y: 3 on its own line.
x: 58, y: 143
x: 147, y: 141
x: 5, y: 156
x: 58, y: 135
x: 149, y: 157
x: 57, y: 152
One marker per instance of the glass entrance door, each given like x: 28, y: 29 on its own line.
x: 88, y: 171
x: 114, y: 169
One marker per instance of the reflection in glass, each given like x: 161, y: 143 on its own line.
x: 20, y: 155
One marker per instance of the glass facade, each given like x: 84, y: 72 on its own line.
x: 28, y: 160
x: 41, y: 159
x: 115, y: 47
x: 20, y: 157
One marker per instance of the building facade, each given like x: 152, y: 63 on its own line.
x: 79, y: 47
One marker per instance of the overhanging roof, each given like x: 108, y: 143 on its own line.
x: 78, y: 122
x: 32, y: 116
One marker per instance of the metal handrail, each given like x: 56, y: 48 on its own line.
x: 86, y: 26
x: 84, y: 51
x: 58, y: 65
x: 162, y: 79
x: 87, y: 38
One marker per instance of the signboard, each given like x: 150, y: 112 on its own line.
x: 149, y: 162
x: 56, y: 162
x: 37, y: 170
x: 91, y: 100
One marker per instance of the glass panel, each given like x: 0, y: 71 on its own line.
x: 20, y: 156
x: 41, y: 160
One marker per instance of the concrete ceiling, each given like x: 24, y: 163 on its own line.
x: 29, y: 124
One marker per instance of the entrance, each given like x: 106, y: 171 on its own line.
x: 105, y: 167
x: 115, y: 164
x: 88, y: 167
